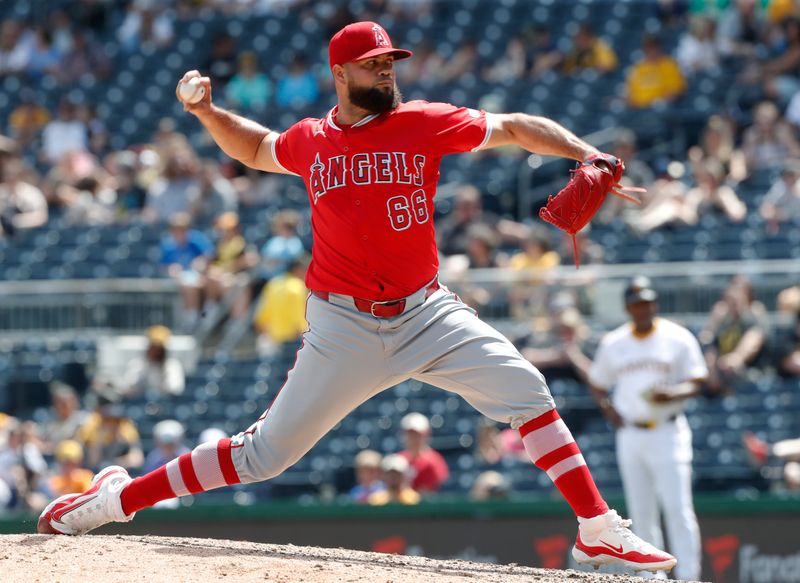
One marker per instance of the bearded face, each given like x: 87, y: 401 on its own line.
x: 375, y: 99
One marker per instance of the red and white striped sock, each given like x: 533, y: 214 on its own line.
x: 206, y: 467
x: 552, y: 448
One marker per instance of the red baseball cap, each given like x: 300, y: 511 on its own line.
x: 362, y: 40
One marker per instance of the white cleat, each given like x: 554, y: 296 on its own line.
x: 76, y: 514
x: 607, y: 540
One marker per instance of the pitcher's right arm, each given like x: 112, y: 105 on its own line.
x: 240, y: 138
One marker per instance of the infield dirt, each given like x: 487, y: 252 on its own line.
x: 127, y: 559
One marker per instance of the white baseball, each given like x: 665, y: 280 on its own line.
x: 192, y: 91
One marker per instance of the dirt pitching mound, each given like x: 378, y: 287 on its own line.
x: 126, y: 559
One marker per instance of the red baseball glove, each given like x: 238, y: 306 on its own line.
x: 580, y: 199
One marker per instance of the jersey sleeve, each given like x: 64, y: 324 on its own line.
x: 601, y: 375
x: 693, y: 365
x: 285, y: 148
x: 452, y: 130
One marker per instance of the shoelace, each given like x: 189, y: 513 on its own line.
x: 621, y: 526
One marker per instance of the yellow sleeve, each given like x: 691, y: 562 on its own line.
x: 635, y: 86
x: 128, y: 432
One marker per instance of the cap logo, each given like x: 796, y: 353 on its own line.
x: 380, y: 37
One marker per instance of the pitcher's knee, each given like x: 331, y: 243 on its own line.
x: 258, y: 459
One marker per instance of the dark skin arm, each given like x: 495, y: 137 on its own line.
x: 600, y: 396
x: 678, y: 392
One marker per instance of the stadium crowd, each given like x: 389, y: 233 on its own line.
x: 57, y: 164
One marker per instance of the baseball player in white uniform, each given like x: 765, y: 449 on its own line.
x: 641, y: 376
x: 377, y: 313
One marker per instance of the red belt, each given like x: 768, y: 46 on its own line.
x: 381, y: 309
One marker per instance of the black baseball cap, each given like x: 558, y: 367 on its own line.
x: 640, y: 289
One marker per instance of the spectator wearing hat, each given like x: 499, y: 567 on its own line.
x: 396, y: 470
x: 21, y: 465
x: 429, y: 468
x: 169, y: 437
x: 589, y: 51
x: 71, y: 476
x: 299, y: 87
x: 368, y: 476
x: 109, y: 437
x: 156, y: 371
x: 489, y: 485
x: 66, y: 416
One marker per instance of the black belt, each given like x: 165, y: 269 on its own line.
x: 652, y: 423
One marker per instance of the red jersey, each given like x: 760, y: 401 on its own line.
x: 371, y: 187
x: 430, y: 470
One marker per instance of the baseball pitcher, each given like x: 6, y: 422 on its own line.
x: 378, y: 313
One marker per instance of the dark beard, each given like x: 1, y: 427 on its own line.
x: 374, y: 99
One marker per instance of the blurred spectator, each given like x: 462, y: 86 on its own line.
x: 156, y: 372
x: 229, y: 262
x: 710, y: 193
x: 781, y: 204
x: 697, y: 49
x: 28, y: 118
x: 537, y: 253
x: 589, y: 52
x: 718, y: 142
x: 789, y: 346
x: 147, y: 22
x: 89, y: 202
x: 740, y: 29
x: 169, y: 443
x: 489, y: 485
x: 368, y: 476
x: 176, y: 190
x: 430, y: 469
x: 637, y: 173
x: 109, y: 437
x: 425, y: 67
x: 280, y: 314
x: 460, y: 63
x: 493, y: 445
x: 781, y: 73
x: 543, y: 52
x: 65, y: 134
x: 299, y: 87
x: 182, y: 251
x: 211, y: 435
x: 563, y: 353
x: 787, y: 451
x: 248, y: 90
x: 16, y: 46
x: 221, y: 63
x: 22, y: 205
x: 66, y: 417
x: 395, y: 469
x: 72, y: 476
x: 60, y: 26
x: 85, y: 58
x: 216, y: 193
x: 22, y: 465
x: 131, y: 195
x: 283, y: 246
x: 770, y: 140
x: 452, y: 229
x: 44, y: 57
x: 734, y: 334
x: 665, y: 202
x: 655, y: 78
x: 511, y: 66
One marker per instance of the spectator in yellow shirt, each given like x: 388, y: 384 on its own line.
x: 589, y: 52
x: 71, y: 476
x: 109, y: 437
x: 395, y: 470
x: 657, y: 77
x: 281, y: 312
